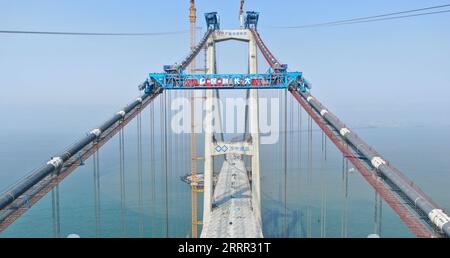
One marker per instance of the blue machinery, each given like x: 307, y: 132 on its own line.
x: 212, y: 21
x: 181, y: 81
x: 251, y: 20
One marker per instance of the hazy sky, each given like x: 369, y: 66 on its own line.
x: 391, y: 73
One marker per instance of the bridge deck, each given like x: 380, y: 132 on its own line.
x: 232, y: 215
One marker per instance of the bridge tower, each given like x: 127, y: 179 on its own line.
x: 208, y: 187
x: 210, y: 143
x: 254, y: 131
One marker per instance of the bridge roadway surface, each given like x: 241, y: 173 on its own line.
x: 232, y: 215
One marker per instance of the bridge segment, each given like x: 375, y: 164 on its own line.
x: 233, y: 215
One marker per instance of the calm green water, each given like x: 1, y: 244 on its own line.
x: 422, y: 153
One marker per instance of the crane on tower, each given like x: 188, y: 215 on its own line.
x: 194, y: 217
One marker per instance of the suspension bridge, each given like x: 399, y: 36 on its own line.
x: 232, y: 197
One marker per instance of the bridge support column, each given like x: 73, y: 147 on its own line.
x: 254, y: 130
x: 208, y: 127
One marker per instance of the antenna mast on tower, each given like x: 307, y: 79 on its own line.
x: 241, y: 14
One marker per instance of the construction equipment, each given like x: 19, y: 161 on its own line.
x: 212, y: 20
x: 251, y: 20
